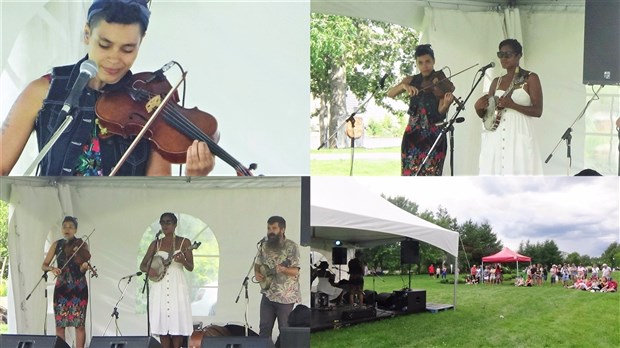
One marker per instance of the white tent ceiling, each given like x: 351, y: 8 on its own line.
x: 465, y: 33
x: 341, y: 209
x: 120, y: 210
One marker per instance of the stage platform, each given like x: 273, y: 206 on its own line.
x: 336, y: 317
x: 436, y: 307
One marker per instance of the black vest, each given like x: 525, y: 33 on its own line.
x: 62, y: 157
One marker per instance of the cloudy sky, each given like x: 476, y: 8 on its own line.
x: 581, y: 214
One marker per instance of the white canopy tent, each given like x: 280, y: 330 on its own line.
x: 342, y: 209
x: 120, y: 211
x: 247, y: 64
x: 467, y: 32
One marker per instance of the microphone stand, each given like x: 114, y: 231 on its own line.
x: 618, y: 130
x: 568, y: 137
x: 146, y: 286
x: 115, y: 310
x: 244, y: 285
x: 49, y: 145
x: 43, y: 277
x: 448, y: 126
x: 351, y: 119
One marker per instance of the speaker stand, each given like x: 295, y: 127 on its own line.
x: 409, y: 288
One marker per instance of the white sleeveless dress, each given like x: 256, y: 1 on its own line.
x: 512, y: 148
x: 170, y: 309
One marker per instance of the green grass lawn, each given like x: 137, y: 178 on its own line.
x: 547, y: 316
x: 361, y: 166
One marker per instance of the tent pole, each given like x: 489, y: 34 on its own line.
x: 456, y: 278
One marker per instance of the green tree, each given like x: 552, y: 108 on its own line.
x: 545, y: 253
x: 349, y: 54
x: 611, y: 255
x: 478, y: 241
x: 573, y: 257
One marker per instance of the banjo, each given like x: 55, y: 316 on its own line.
x: 493, y: 115
x: 159, y: 265
x: 269, y: 274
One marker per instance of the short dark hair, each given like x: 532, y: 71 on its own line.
x: 71, y: 219
x: 277, y: 219
x: 422, y: 50
x: 514, y: 44
x: 170, y: 215
x: 119, y: 11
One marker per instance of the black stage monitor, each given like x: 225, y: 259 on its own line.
x: 32, y: 341
x: 124, y: 342
x: 236, y: 342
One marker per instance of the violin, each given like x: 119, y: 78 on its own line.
x: 436, y: 83
x: 125, y: 112
x: 75, y: 249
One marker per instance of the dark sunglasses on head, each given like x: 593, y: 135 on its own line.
x: 506, y: 54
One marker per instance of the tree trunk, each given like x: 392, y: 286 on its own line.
x: 337, y: 104
x: 323, y: 117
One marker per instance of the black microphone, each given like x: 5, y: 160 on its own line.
x: 382, y: 81
x: 159, y: 74
x: 132, y: 275
x: 88, y: 70
x: 484, y: 68
x: 264, y: 239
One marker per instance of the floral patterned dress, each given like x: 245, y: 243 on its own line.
x: 420, y: 134
x: 70, y: 292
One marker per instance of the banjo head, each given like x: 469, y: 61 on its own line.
x: 158, y: 269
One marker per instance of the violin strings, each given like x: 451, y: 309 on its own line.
x: 182, y: 123
x: 175, y: 118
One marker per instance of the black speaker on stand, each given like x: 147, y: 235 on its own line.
x: 601, y: 47
x: 32, y: 341
x: 409, y: 254
x: 339, y: 255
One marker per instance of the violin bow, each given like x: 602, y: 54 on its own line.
x: 146, y: 127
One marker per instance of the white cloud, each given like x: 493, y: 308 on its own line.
x: 581, y: 214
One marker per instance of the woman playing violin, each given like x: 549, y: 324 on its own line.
x: 113, y: 34
x: 70, y: 290
x: 428, y: 105
x: 170, y: 310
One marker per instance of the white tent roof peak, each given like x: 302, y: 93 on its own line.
x: 342, y: 209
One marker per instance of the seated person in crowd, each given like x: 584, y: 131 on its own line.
x: 608, y: 285
x: 529, y: 280
x: 519, y: 281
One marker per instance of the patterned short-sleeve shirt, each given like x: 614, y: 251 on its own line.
x: 283, y: 289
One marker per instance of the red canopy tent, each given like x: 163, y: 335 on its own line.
x: 505, y: 256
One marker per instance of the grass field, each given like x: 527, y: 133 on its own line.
x: 362, y: 165
x: 547, y: 316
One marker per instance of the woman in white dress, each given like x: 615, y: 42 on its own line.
x: 512, y: 149
x: 170, y: 311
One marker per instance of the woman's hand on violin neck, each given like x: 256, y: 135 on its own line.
x: 444, y: 103
x: 200, y: 161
